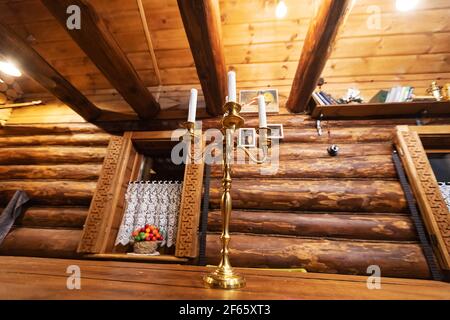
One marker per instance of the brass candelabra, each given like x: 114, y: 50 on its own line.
x: 224, y: 276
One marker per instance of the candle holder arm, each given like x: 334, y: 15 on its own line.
x: 265, y: 145
x: 253, y: 158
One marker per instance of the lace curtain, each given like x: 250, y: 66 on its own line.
x: 445, y: 190
x: 154, y: 203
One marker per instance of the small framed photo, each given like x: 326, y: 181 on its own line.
x: 276, y: 131
x: 247, y: 137
x: 249, y: 100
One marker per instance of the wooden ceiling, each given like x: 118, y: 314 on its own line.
x: 371, y: 52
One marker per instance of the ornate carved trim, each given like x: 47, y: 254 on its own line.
x: 189, y: 218
x: 93, y: 232
x: 426, y: 189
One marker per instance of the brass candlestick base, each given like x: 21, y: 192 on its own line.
x: 224, y: 281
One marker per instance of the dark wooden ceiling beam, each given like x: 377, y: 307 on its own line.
x: 100, y: 46
x: 32, y: 64
x: 316, y: 50
x: 201, y: 19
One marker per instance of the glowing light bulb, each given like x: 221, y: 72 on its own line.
x: 9, y: 69
x: 281, y: 10
x: 406, y: 5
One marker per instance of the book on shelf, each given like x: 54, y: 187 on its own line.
x: 399, y: 94
x: 380, y: 97
x: 323, y: 99
x: 318, y: 100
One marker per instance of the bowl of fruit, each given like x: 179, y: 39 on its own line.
x: 147, y: 239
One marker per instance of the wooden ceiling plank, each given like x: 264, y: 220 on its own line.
x: 41, y: 71
x: 201, y: 20
x: 100, y: 46
x: 316, y: 50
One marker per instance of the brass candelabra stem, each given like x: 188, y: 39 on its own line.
x: 224, y: 276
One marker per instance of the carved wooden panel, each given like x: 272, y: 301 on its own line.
x: 426, y: 189
x: 93, y: 232
x: 190, y: 208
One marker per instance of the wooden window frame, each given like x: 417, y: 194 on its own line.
x: 424, y: 185
x: 121, y: 165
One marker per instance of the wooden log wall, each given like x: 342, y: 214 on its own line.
x: 10, y: 89
x: 326, y: 214
x: 58, y: 166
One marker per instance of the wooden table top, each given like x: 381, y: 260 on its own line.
x: 38, y: 278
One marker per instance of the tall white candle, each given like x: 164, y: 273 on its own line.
x: 192, y: 105
x: 262, y: 111
x: 232, y: 86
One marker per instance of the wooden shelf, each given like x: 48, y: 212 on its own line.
x: 381, y: 110
x: 126, y: 257
x: 126, y: 281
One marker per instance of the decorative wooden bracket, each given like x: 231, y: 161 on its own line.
x: 426, y: 190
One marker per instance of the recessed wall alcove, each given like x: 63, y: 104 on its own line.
x: 145, y: 156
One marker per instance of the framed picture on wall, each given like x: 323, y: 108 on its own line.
x: 276, y: 131
x: 247, y: 137
x: 249, y: 100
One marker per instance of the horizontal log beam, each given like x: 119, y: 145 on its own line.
x: 50, y: 192
x: 335, y: 135
x: 298, y: 121
x: 298, y: 151
x: 313, y: 195
x: 51, y: 155
x: 100, y: 46
x: 318, y: 255
x: 42, y: 72
x: 60, y: 172
x: 51, y: 129
x: 350, y: 226
x: 358, y: 167
x: 53, y: 217
x: 87, y: 140
x: 34, y: 242
x: 305, y: 122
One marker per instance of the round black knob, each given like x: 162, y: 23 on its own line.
x: 333, y: 150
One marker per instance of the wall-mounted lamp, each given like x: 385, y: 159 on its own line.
x: 281, y: 10
x: 406, y: 5
x: 10, y: 69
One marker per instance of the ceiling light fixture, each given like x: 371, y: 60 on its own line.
x: 406, y: 5
x: 281, y: 9
x: 9, y: 69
